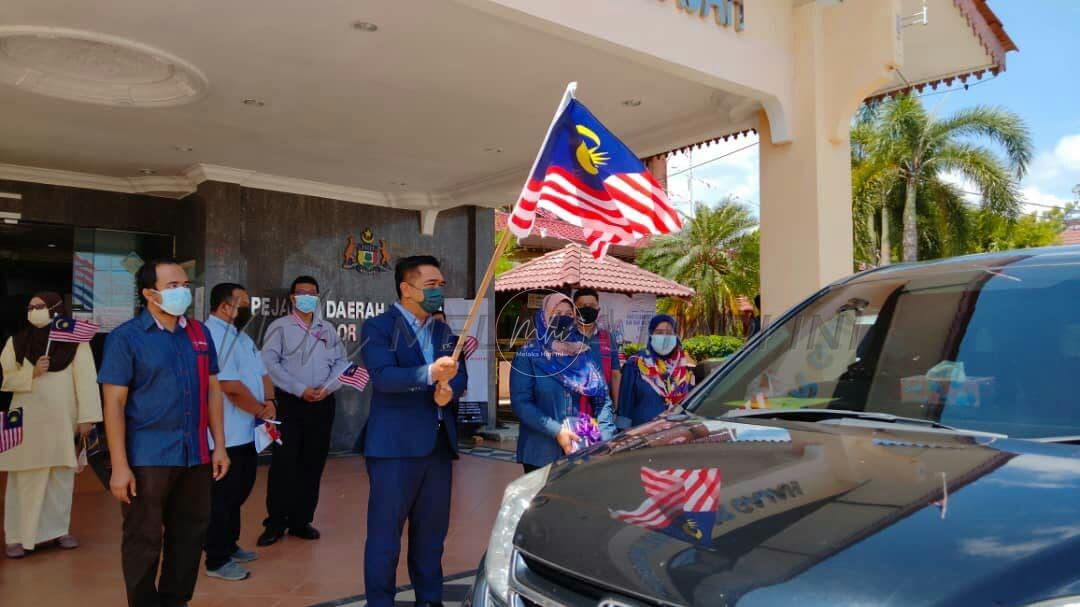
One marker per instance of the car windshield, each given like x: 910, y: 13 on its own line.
x: 991, y: 350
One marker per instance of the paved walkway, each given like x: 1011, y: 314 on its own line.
x: 293, y: 573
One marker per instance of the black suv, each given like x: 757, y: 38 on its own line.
x: 907, y: 436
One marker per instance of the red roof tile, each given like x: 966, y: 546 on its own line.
x: 1071, y: 235
x: 573, y: 266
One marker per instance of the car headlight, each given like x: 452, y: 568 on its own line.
x: 515, y: 501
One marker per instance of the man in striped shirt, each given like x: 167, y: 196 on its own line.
x: 304, y: 355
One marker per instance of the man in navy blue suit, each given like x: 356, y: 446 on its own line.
x: 409, y: 440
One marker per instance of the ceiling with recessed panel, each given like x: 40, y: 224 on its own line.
x: 439, y: 98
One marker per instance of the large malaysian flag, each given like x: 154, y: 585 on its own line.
x: 587, y: 177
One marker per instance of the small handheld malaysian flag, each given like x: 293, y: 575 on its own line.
x: 355, y: 376
x: 11, y: 429
x: 66, y: 329
x: 266, y: 432
x: 471, y: 346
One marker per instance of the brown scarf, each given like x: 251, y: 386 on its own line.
x: 31, y: 342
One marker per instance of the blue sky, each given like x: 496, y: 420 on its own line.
x: 1041, y: 83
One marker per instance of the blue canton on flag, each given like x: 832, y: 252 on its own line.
x: 587, y: 177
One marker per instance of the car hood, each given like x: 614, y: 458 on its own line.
x: 830, y: 514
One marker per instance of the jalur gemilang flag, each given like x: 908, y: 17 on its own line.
x: 72, y: 331
x: 587, y: 177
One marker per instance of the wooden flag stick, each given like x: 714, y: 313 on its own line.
x: 480, y: 292
x: 568, y: 95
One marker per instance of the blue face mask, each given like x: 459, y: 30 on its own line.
x: 307, y: 303
x: 433, y: 300
x: 663, y: 344
x: 176, y: 301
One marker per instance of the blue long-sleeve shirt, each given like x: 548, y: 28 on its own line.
x: 542, y: 403
x: 637, y: 399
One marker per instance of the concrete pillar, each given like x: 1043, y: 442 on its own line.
x: 843, y: 53
x: 657, y: 165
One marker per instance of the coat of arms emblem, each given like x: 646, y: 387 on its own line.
x: 368, y: 255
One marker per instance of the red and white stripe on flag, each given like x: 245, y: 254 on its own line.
x: 631, y: 206
x: 470, y: 346
x: 671, y: 492
x: 355, y: 376
x: 70, y: 330
x: 585, y: 176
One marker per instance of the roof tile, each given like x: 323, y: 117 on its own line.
x: 573, y: 266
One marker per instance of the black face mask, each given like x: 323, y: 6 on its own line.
x: 561, y: 328
x: 243, y: 315
x: 588, y: 315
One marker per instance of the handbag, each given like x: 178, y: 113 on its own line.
x: 97, y: 456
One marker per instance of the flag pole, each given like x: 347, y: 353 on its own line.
x: 505, y: 240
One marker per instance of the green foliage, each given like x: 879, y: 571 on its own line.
x: 903, y: 158
x: 629, y: 349
x: 704, y: 347
x: 992, y: 233
x: 717, y: 254
x: 506, y: 260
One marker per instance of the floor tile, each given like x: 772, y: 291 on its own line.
x: 292, y: 573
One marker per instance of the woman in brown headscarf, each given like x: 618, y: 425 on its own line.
x: 55, y: 386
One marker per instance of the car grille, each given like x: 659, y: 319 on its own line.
x: 537, y: 584
x: 554, y: 576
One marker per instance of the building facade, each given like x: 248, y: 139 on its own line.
x: 257, y: 141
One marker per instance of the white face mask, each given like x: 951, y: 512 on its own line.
x: 663, y: 344
x: 39, y: 318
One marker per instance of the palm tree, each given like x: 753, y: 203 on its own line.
x: 871, y: 181
x: 907, y: 149
x: 717, y: 254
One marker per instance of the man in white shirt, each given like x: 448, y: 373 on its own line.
x: 249, y: 395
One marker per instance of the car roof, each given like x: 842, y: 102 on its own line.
x: 1020, y: 257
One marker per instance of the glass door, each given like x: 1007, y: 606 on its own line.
x: 34, y: 257
x: 104, y: 269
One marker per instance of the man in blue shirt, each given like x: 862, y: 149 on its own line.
x: 409, y: 438
x: 249, y: 396
x: 304, y: 356
x: 603, y: 347
x: 161, y: 396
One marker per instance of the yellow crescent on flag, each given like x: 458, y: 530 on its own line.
x: 590, y: 158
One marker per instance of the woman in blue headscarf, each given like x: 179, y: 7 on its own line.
x: 556, y: 389
x: 659, y: 377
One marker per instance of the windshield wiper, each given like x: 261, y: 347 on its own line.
x: 818, y: 415
x: 1064, y: 440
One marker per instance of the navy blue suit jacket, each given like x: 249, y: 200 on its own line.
x: 403, y: 421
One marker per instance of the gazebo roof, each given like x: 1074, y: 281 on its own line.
x: 550, y: 232
x: 573, y: 266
